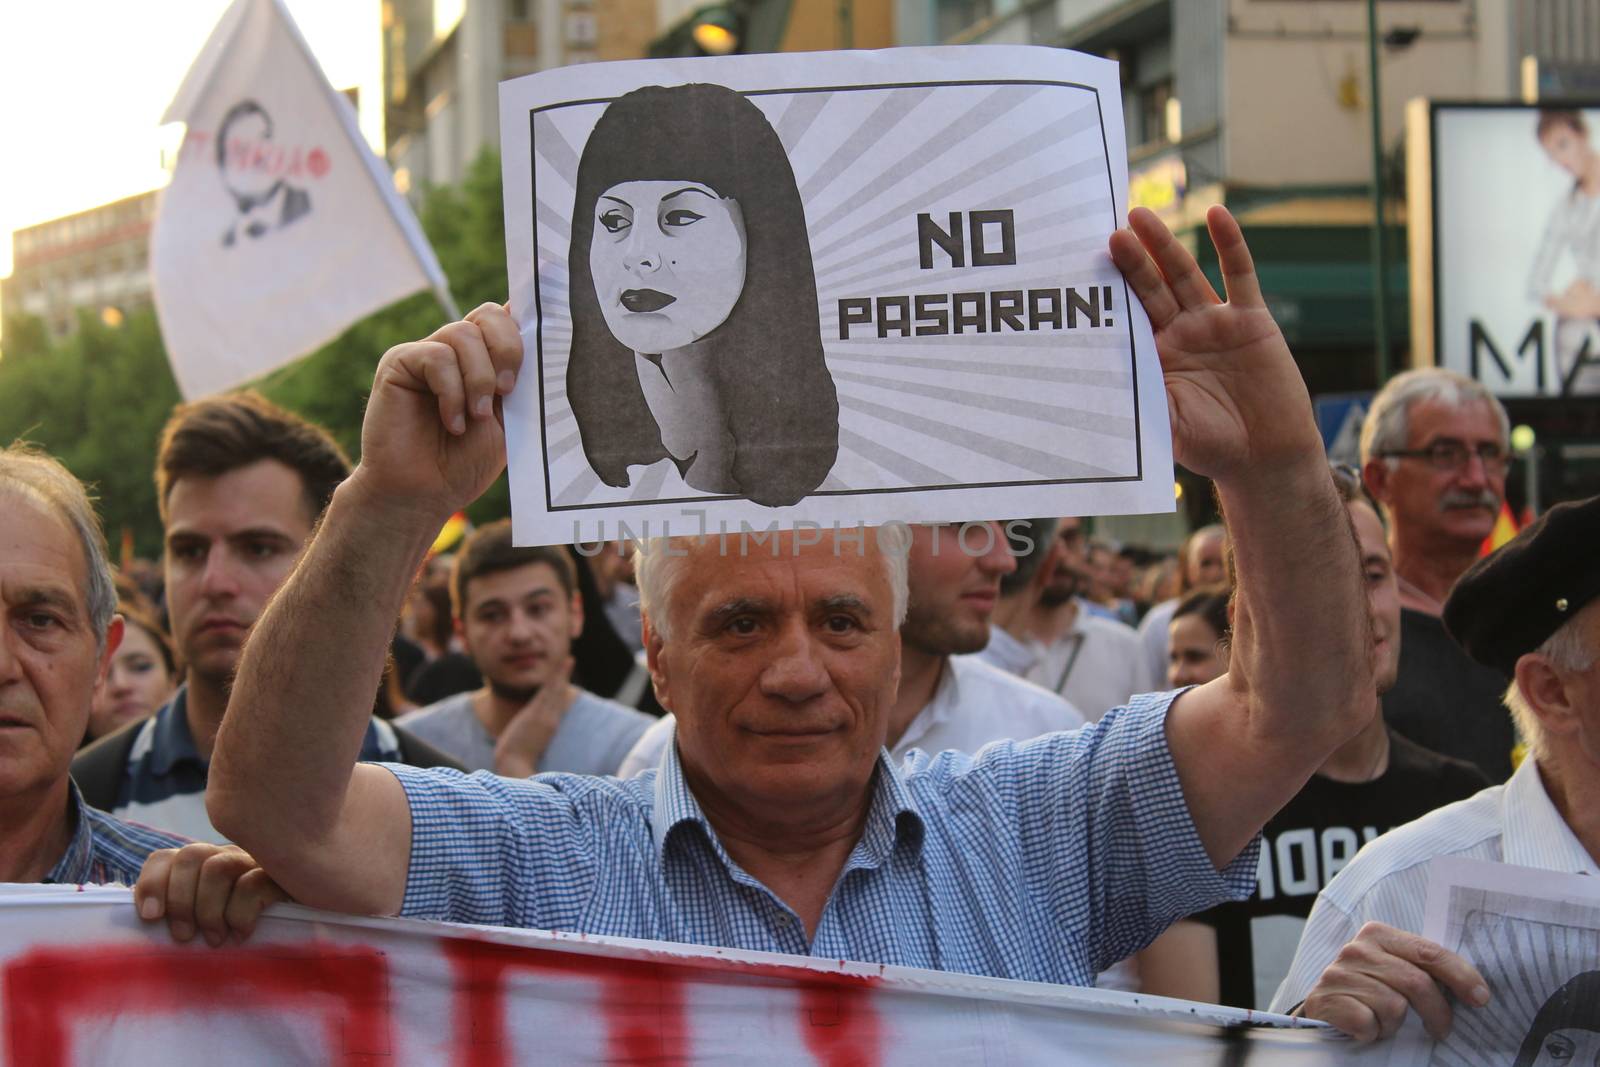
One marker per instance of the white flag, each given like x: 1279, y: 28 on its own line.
x: 280, y: 227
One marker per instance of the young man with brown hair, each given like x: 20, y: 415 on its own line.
x: 241, y: 484
x: 518, y: 611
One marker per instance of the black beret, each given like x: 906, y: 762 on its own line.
x: 1511, y: 601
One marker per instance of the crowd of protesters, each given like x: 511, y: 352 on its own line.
x: 1057, y: 758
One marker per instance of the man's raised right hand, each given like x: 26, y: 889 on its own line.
x: 433, y: 436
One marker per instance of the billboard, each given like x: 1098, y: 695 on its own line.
x: 1504, y: 204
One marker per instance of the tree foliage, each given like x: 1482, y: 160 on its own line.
x: 98, y: 400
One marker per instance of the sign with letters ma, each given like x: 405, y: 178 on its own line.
x: 823, y: 288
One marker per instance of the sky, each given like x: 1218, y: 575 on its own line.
x: 84, y: 84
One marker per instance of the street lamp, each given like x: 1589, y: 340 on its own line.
x: 716, y: 32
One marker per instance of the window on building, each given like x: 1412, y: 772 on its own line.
x: 518, y: 11
x: 582, y: 29
x: 1153, y: 111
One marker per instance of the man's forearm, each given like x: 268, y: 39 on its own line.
x: 1302, y: 643
x: 303, y: 696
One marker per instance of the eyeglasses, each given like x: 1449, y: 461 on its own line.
x: 1448, y: 454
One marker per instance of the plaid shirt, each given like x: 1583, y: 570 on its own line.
x: 104, y: 849
x: 1047, y: 860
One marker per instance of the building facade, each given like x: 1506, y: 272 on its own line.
x: 443, y: 61
x: 1265, y: 105
x: 94, y: 261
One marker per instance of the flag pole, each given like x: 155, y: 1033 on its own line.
x: 442, y: 294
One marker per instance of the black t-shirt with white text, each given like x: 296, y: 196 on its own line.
x: 1309, y: 842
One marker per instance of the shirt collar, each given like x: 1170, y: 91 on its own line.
x: 172, y: 742
x: 1535, y: 833
x: 893, y: 807
x: 74, y: 867
x: 1008, y: 652
x: 946, y: 698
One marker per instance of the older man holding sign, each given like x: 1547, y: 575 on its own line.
x: 777, y: 822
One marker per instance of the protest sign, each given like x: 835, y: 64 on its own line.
x: 83, y: 981
x: 823, y: 288
x: 1534, y: 935
x: 280, y: 227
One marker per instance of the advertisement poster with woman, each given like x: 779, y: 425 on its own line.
x: 830, y: 288
x: 1516, y: 244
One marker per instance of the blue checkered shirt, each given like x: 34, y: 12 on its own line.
x: 1046, y: 860
x: 105, y: 849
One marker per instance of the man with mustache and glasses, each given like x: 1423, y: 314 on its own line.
x: 240, y: 483
x: 1434, y: 454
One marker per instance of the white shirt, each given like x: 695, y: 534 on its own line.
x: 1095, y: 666
x: 1387, y: 881
x: 974, y: 703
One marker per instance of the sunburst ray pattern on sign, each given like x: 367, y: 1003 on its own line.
x: 994, y: 405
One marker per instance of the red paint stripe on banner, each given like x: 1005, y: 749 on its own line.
x: 48, y: 989
x: 643, y: 1007
x: 641, y: 1002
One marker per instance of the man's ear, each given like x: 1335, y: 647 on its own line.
x: 1545, y: 692
x: 656, y: 662
x: 114, y: 634
x: 1375, y: 474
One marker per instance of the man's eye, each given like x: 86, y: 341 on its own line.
x: 41, y: 620
x: 742, y: 627
x: 682, y: 217
x: 615, y: 221
x: 187, y: 553
x: 261, y: 549
x: 842, y: 624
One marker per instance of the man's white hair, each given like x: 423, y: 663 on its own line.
x: 1388, y: 424
x: 32, y: 473
x: 1566, y: 649
x: 656, y: 569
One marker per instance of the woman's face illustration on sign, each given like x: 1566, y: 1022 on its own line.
x: 668, y: 260
x: 1569, y: 1048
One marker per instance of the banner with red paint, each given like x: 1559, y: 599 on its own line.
x: 83, y: 981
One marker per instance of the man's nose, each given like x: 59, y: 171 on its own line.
x: 520, y: 627
x: 1474, y: 473
x: 795, y: 672
x: 997, y: 559
x: 10, y: 662
x: 220, y: 578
